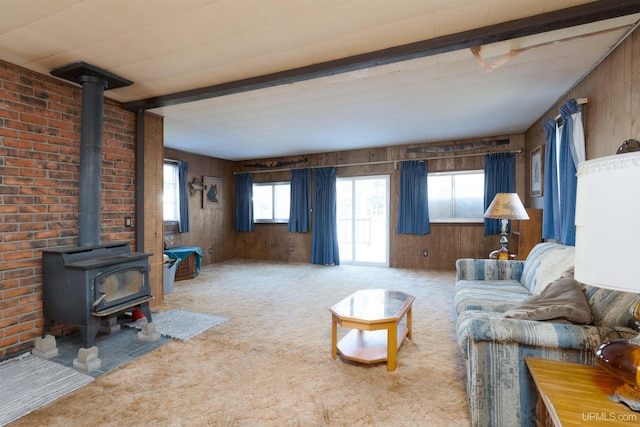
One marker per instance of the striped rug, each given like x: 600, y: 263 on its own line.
x: 28, y: 382
x: 182, y: 324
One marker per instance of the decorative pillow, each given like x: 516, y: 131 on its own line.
x: 560, y: 300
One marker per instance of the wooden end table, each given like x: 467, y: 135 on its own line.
x: 375, y: 316
x: 570, y: 394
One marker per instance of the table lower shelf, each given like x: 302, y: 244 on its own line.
x: 368, y: 346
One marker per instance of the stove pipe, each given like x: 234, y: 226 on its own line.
x: 94, y: 82
x: 90, y: 160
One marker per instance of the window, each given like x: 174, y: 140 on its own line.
x: 171, y: 193
x: 271, y: 202
x: 456, y: 196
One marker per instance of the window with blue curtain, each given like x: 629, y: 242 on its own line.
x: 499, y: 177
x: 244, y: 202
x: 413, y: 205
x: 324, y: 239
x: 300, y: 206
x: 271, y: 202
x: 170, y: 192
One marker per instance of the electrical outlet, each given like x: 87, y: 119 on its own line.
x: 291, y: 248
x: 127, y: 222
x: 425, y: 253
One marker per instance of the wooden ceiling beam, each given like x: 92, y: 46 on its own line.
x: 564, y: 18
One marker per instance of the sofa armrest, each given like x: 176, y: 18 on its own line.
x: 543, y: 334
x: 488, y: 269
x: 500, y: 389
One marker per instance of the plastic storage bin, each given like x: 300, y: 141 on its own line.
x: 169, y: 275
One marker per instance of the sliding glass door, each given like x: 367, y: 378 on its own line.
x: 363, y: 220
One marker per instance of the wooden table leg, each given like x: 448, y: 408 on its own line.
x: 334, y: 337
x: 409, y: 323
x: 392, y: 346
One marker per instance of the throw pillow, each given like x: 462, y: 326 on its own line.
x: 562, y: 299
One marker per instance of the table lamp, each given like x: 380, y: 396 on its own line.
x: 505, y: 206
x: 607, y: 249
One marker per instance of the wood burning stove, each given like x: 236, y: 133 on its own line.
x: 93, y: 281
x: 84, y: 285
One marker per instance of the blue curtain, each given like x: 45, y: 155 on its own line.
x: 324, y: 239
x: 567, y: 175
x: 244, y: 202
x: 551, y: 206
x: 499, y: 177
x: 299, y: 220
x: 183, y: 185
x: 413, y: 205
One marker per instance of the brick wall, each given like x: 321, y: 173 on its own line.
x: 39, y: 172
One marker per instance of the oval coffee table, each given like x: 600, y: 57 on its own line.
x: 375, y: 316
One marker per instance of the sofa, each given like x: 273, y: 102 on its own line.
x: 495, y: 342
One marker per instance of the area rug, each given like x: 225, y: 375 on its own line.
x: 28, y: 382
x: 183, y: 324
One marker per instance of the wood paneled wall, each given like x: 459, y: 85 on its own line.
x: 210, y: 228
x: 215, y: 228
x: 612, y: 113
x: 153, y: 184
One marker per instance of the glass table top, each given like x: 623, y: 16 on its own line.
x: 373, y: 304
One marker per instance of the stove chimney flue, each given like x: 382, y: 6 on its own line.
x: 94, y: 82
x: 90, y: 160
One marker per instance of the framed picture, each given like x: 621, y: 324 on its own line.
x: 212, y: 192
x: 537, y: 171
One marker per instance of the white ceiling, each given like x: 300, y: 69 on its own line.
x: 169, y: 46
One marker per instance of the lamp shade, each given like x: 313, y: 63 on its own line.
x: 607, y: 222
x: 506, y: 206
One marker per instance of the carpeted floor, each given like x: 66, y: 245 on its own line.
x: 271, y: 365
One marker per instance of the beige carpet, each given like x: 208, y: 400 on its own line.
x: 271, y: 365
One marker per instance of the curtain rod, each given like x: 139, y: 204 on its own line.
x: 381, y: 162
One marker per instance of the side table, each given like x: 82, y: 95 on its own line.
x: 570, y: 394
